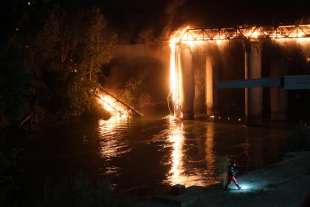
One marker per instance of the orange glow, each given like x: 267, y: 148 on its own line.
x: 252, y: 33
x: 190, y: 37
x: 176, y: 88
x: 210, y: 154
x: 176, y: 137
x: 115, y: 108
x: 297, y: 33
x: 209, y: 86
x: 178, y: 173
x: 112, y: 147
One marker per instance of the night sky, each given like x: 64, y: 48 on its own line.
x: 132, y: 17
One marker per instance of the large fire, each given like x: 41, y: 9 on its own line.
x: 176, y: 89
x: 190, y: 37
x: 113, y: 106
x: 252, y: 33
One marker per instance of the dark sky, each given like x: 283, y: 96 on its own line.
x: 133, y: 16
x: 160, y: 13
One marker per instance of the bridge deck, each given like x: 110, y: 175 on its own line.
x: 247, y: 32
x: 289, y: 82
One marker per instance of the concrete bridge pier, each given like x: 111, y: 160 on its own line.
x: 253, y: 70
x: 188, y: 82
x: 199, y: 67
x: 210, y: 85
x: 278, y: 96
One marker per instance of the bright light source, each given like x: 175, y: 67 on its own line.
x: 189, y: 38
x: 246, y: 188
x: 113, y: 106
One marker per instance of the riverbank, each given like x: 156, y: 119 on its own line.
x: 284, y: 184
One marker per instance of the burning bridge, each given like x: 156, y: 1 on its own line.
x: 194, y: 85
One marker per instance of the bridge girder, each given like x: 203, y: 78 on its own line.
x: 251, y: 33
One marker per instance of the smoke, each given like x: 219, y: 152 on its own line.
x: 171, y: 14
x: 173, y: 6
x: 301, y: 46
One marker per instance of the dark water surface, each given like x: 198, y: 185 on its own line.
x: 150, y: 153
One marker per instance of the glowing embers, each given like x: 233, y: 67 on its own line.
x: 177, y: 36
x: 286, y: 34
x: 297, y: 33
x: 251, y: 33
x: 290, y: 31
x: 114, y: 107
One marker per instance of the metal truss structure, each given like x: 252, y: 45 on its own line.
x: 251, y: 33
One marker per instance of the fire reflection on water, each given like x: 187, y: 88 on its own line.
x: 169, y: 152
x: 210, y: 155
x: 111, y: 132
x: 176, y: 137
x: 179, y: 159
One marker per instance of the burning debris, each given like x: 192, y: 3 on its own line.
x: 115, y: 106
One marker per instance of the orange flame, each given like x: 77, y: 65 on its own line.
x: 115, y: 108
x: 193, y: 37
x: 176, y: 89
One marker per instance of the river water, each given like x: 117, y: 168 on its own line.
x: 151, y: 153
x: 165, y: 151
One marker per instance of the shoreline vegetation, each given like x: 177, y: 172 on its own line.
x: 50, y: 73
x: 49, y: 68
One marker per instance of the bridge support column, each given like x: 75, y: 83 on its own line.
x: 278, y: 96
x: 210, y: 86
x: 199, y: 67
x: 253, y: 70
x: 188, y: 83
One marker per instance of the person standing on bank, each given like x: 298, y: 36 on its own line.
x: 231, y: 175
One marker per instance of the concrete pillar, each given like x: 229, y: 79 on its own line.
x: 188, y: 83
x: 199, y: 67
x: 253, y: 70
x: 278, y: 96
x: 210, y: 88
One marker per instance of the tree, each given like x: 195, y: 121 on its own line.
x: 98, y: 43
x: 14, y: 83
x: 72, y: 48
